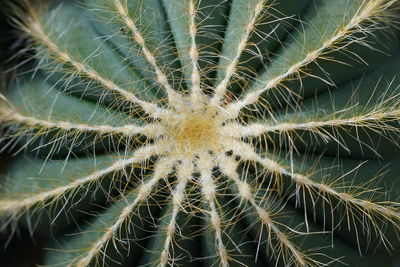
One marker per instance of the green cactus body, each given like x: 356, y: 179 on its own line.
x: 207, y: 133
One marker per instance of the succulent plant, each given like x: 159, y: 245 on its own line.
x: 210, y: 133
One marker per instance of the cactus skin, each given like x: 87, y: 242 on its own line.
x: 215, y: 133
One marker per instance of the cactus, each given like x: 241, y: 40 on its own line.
x: 212, y: 132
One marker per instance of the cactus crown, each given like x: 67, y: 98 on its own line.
x: 239, y: 132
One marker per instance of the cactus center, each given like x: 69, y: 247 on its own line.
x: 193, y: 131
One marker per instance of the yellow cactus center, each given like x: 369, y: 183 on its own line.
x: 193, y: 130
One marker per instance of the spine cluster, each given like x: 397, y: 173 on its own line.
x: 202, y: 139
